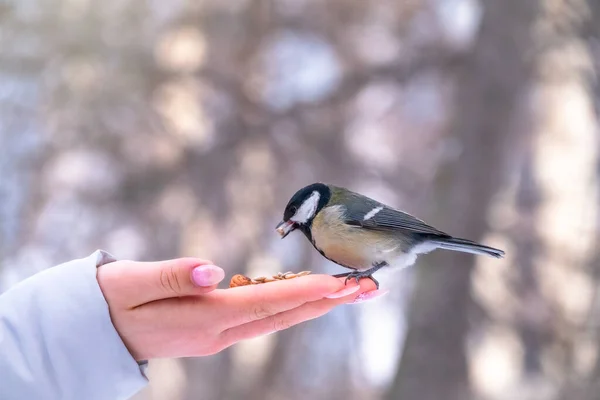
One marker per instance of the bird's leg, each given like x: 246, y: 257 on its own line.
x: 363, y: 274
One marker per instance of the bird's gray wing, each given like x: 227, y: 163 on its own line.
x: 373, y: 215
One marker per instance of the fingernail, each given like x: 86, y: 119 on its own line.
x: 207, y: 275
x: 366, y: 296
x: 344, y: 292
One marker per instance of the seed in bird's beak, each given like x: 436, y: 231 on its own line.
x: 284, y: 228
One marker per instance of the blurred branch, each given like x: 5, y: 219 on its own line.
x: 433, y: 364
x: 434, y: 59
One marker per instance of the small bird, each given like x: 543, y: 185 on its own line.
x: 364, y: 235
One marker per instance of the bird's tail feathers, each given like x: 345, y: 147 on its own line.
x: 466, y: 246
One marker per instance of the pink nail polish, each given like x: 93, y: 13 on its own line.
x: 207, y: 275
x: 344, y: 292
x: 366, y: 296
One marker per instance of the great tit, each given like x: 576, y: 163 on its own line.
x: 364, y: 235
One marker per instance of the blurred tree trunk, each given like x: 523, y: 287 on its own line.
x: 532, y: 318
x: 566, y: 165
x: 564, y: 158
x: 433, y: 364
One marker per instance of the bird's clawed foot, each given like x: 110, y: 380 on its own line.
x: 357, y: 275
x: 363, y: 274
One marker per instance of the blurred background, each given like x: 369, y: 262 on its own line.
x: 156, y: 129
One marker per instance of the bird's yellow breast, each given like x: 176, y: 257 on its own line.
x: 348, y: 245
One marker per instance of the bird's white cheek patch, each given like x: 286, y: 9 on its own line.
x: 307, y: 209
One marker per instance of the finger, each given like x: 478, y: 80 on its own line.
x: 144, y: 282
x: 250, y: 303
x: 291, y: 317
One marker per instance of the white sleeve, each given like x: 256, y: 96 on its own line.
x: 57, y: 340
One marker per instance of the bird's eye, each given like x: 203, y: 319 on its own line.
x: 293, y: 209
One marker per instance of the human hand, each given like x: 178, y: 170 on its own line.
x: 173, y: 309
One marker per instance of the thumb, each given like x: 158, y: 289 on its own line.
x: 143, y: 282
x: 184, y: 277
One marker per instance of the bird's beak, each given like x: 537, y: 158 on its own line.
x: 284, y: 228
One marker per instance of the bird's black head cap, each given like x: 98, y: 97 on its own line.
x: 304, y: 194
